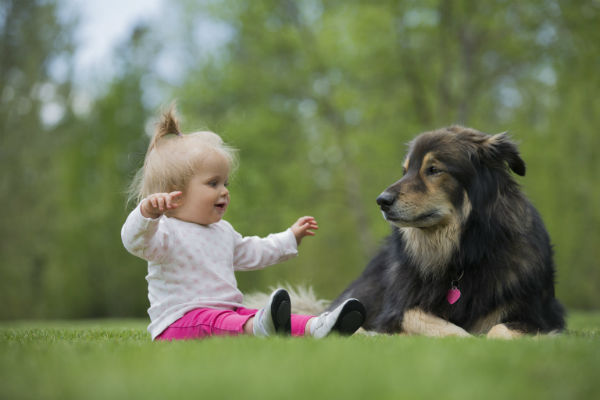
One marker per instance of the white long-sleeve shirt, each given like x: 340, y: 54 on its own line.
x: 192, y: 266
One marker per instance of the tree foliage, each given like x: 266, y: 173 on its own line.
x: 320, y: 98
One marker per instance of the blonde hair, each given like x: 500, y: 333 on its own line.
x: 173, y: 158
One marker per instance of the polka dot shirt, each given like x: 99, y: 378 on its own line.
x: 192, y: 266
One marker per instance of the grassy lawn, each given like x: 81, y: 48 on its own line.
x: 116, y: 359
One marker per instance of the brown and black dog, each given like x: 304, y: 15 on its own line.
x: 468, y: 253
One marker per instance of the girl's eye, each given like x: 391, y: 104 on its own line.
x: 212, y: 183
x: 226, y: 184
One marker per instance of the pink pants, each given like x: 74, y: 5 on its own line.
x: 203, y: 322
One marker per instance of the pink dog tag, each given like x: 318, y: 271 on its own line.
x: 453, y: 295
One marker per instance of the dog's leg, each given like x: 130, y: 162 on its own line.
x: 501, y: 331
x: 418, y: 322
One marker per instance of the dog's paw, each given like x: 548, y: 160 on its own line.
x: 418, y: 322
x: 364, y: 332
x: 501, y: 331
x: 459, y: 333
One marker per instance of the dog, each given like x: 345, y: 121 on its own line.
x: 468, y: 253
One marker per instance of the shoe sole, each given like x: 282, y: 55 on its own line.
x: 351, y: 318
x: 280, y: 312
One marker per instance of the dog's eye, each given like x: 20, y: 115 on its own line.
x: 433, y: 170
x: 403, y: 171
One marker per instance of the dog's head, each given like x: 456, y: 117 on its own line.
x: 447, y: 172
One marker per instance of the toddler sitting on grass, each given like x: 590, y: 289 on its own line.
x: 192, y: 252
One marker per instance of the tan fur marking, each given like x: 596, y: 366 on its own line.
x: 432, y: 248
x: 492, y: 139
x: 435, y: 194
x: 495, y: 139
x: 429, y: 156
x: 418, y: 322
x: 485, y: 324
x: 501, y: 331
x: 431, y: 251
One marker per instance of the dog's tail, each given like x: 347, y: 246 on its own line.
x: 304, y: 300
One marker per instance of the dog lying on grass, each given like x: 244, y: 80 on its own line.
x: 468, y: 253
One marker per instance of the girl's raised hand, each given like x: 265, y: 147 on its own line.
x: 157, y: 204
x: 304, y: 227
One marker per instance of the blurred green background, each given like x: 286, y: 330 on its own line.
x: 319, y: 96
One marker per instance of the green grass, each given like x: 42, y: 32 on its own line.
x: 116, y: 359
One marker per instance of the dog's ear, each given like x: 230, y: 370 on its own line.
x: 500, y: 147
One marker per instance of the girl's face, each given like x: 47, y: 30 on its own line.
x: 206, y: 197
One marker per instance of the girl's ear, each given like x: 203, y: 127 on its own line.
x: 501, y: 148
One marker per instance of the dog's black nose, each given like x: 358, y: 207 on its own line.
x: 386, y: 199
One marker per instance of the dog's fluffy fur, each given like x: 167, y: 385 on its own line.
x: 304, y: 300
x: 459, y: 218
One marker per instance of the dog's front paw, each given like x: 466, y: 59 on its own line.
x: 501, y: 331
x: 455, y: 331
x: 419, y: 322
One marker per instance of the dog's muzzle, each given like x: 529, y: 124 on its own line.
x: 386, y: 200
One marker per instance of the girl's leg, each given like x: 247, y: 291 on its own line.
x: 248, y: 327
x: 205, y: 322
x: 300, y: 324
x: 345, y: 319
x: 273, y: 318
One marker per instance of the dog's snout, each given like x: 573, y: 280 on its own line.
x: 386, y: 199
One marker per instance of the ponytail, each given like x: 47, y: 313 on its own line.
x: 167, y: 125
x: 172, y: 158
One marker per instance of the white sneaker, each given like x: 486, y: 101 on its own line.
x: 343, y: 320
x: 274, y: 317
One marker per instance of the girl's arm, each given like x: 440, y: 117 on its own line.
x: 254, y: 253
x: 141, y: 234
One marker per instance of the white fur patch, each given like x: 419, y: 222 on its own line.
x: 304, y: 300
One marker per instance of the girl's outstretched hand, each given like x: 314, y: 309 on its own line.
x: 304, y: 227
x: 157, y: 204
